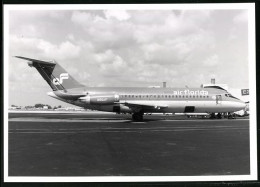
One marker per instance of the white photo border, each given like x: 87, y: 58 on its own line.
x: 252, y: 86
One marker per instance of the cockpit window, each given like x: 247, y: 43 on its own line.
x: 229, y: 95
x: 233, y: 97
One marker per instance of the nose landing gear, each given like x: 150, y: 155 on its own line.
x: 231, y: 116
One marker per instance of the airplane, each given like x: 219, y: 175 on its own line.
x: 134, y: 100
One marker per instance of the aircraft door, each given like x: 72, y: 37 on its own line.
x: 218, y: 99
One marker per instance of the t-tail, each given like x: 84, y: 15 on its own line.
x: 54, y: 74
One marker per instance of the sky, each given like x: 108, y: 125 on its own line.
x: 130, y: 48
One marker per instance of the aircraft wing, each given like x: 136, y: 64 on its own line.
x: 145, y: 106
x: 70, y: 96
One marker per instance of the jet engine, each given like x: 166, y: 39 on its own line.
x: 100, y: 99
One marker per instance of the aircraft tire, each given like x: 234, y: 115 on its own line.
x: 137, y: 117
x: 212, y: 116
x: 219, y: 115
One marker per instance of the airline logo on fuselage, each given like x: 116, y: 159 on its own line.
x: 59, y: 81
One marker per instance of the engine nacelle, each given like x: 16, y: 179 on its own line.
x: 100, y: 99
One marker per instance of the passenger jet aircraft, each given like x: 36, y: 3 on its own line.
x: 135, y: 100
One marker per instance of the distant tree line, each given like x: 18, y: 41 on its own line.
x: 55, y: 107
x: 39, y: 105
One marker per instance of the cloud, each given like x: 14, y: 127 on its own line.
x: 65, y: 50
x: 133, y: 47
x: 120, y: 15
x: 80, y: 17
x: 110, y: 63
x: 212, y: 61
x: 71, y: 37
x: 242, y: 17
x: 41, y: 48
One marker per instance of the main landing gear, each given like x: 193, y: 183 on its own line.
x: 219, y: 115
x: 213, y: 116
x: 138, y: 116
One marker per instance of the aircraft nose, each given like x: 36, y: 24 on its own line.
x: 240, y: 105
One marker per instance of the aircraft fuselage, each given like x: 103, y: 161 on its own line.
x: 164, y: 100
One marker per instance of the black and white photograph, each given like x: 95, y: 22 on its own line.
x: 129, y: 93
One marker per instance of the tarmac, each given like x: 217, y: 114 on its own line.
x: 104, y: 144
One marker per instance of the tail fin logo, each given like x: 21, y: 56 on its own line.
x: 59, y: 81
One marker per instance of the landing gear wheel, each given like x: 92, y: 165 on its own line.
x: 231, y: 116
x: 219, y: 115
x: 212, y: 116
x: 137, y: 116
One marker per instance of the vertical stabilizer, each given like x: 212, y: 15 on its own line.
x: 56, y: 76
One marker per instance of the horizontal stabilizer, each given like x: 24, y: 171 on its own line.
x: 37, y: 61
